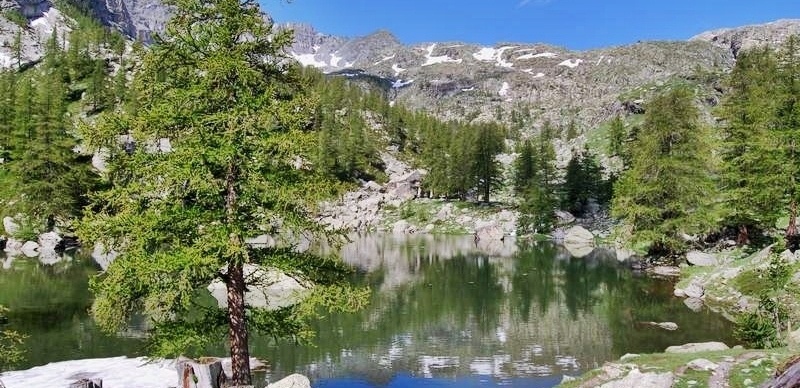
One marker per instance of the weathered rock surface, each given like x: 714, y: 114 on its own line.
x: 664, y: 271
x: 102, y: 256
x: 489, y: 232
x: 671, y: 326
x: 10, y: 226
x: 695, y: 290
x: 30, y: 249
x: 266, y: 287
x: 579, y: 241
x: 292, y: 381
x: 637, y: 379
x: 694, y: 304
x: 701, y: 259
x: 697, y: 347
x: 564, y: 217
x: 746, y: 37
x: 702, y: 364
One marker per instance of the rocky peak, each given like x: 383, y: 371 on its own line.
x: 139, y: 19
x: 30, y: 9
x: 743, y: 38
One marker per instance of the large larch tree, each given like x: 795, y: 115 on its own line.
x: 220, y: 88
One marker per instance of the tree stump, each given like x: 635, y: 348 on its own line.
x: 205, y: 374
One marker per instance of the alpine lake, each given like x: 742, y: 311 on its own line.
x: 445, y: 311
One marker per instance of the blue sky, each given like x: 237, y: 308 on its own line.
x: 575, y: 24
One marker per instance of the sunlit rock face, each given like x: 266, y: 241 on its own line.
x: 266, y: 288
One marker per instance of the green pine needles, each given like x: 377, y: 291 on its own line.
x: 238, y: 119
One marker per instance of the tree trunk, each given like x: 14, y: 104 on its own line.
x: 744, y: 236
x: 237, y: 333
x: 237, y: 325
x: 791, y: 230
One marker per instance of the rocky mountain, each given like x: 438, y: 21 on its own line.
x: 32, y: 22
x: 455, y: 79
x: 138, y: 19
x: 743, y: 38
x: 25, y: 25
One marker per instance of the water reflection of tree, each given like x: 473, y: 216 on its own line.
x: 533, y: 279
x: 49, y: 303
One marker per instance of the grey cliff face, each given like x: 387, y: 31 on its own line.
x: 28, y: 8
x: 138, y: 19
x: 746, y: 37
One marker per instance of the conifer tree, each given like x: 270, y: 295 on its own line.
x: 540, y: 197
x: 98, y: 85
x: 486, y: 168
x: 669, y: 189
x: 7, y: 92
x: 583, y: 181
x: 524, y: 166
x: 617, y: 135
x: 52, y: 178
x: 220, y: 87
x: 788, y: 125
x: 753, y: 181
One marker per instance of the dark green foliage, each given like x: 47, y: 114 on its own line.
x: 669, y: 189
x: 583, y: 181
x: 536, y: 210
x: 485, y: 168
x: 617, y: 139
x: 242, y: 136
x: 524, y: 167
x: 459, y: 157
x: 754, y: 182
x: 536, y: 180
x: 762, y: 114
x: 760, y: 329
x: 51, y: 178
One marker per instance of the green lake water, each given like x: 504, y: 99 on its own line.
x: 444, y: 312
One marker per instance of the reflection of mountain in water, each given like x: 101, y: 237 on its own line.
x: 443, y: 309
x: 400, y: 256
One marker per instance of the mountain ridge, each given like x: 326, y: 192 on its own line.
x: 457, y: 80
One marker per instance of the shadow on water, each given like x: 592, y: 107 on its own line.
x: 444, y: 312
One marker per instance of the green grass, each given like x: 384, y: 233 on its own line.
x: 691, y: 271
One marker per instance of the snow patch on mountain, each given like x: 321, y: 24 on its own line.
x: 539, y: 55
x: 504, y: 89
x: 535, y: 75
x: 335, y: 60
x: 309, y: 60
x: 490, y: 54
x: 400, y: 83
x: 571, y: 63
x: 397, y: 69
x: 433, y: 60
x: 384, y: 59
